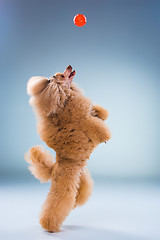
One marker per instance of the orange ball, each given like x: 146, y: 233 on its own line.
x: 80, y: 20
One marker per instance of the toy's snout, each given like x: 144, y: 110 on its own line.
x: 68, y: 73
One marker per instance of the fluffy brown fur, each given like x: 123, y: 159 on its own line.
x: 73, y: 127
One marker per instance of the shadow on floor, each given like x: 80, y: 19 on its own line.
x: 70, y: 232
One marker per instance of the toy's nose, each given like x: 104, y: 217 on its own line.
x: 69, y: 67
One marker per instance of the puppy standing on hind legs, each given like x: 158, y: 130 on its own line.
x: 73, y: 127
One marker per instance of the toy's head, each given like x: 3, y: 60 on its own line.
x: 47, y: 95
x: 63, y: 79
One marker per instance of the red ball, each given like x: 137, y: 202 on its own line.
x: 80, y: 20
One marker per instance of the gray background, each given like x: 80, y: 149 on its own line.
x: 117, y: 58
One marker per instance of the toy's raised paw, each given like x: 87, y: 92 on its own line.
x: 99, y: 112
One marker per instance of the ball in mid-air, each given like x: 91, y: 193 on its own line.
x: 80, y: 20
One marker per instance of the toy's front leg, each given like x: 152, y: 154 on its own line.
x: 99, y: 112
x: 61, y: 198
x: 96, y: 130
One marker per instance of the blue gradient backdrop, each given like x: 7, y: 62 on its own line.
x: 117, y: 59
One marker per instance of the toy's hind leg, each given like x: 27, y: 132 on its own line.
x: 61, y: 198
x: 85, y: 188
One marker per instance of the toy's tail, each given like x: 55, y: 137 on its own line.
x: 41, y: 163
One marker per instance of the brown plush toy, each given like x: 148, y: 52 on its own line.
x: 73, y: 127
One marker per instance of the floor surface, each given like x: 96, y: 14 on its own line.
x: 114, y: 212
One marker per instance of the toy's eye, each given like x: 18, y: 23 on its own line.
x: 62, y: 76
x: 51, y: 78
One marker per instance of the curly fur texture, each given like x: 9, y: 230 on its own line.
x: 73, y: 127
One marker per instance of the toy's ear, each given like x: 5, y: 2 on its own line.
x: 46, y: 97
x: 36, y: 84
x: 49, y: 100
